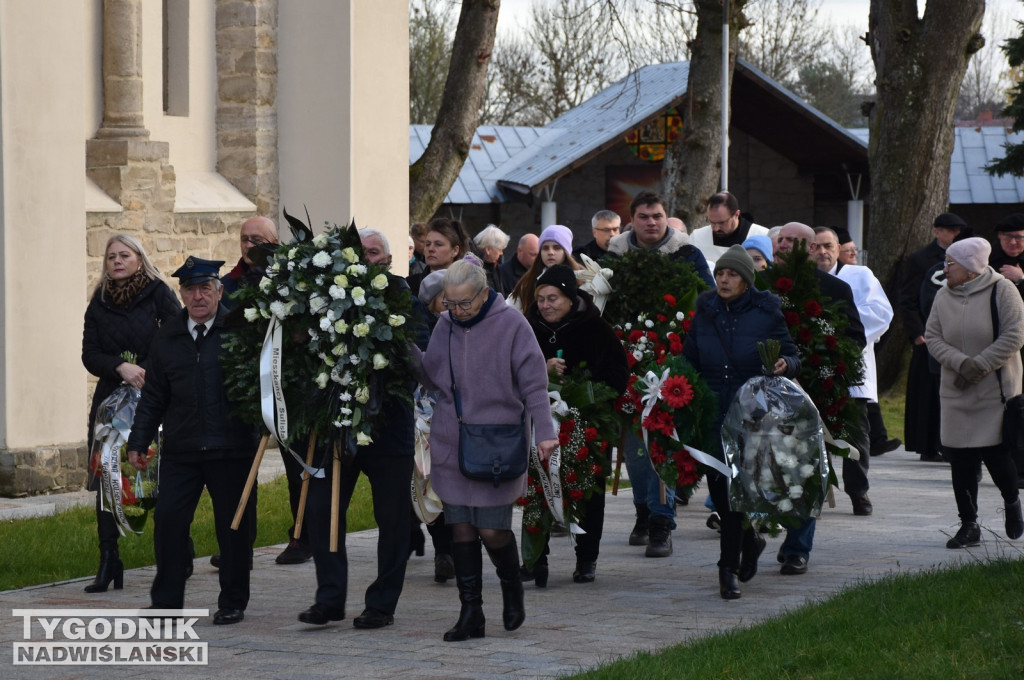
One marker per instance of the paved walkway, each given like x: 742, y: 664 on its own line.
x: 635, y: 604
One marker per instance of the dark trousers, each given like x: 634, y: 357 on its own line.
x: 106, y: 527
x: 293, y: 474
x: 877, y: 433
x: 731, y: 539
x: 181, y: 484
x: 855, y: 472
x: 389, y: 483
x: 963, y: 464
x: 588, y: 545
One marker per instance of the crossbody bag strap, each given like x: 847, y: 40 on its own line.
x: 995, y: 336
x: 451, y: 372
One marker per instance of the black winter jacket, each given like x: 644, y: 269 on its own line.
x: 110, y: 330
x: 185, y: 391
x: 583, y: 337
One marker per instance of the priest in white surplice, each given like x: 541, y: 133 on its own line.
x: 728, y: 227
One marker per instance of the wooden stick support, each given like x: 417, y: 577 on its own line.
x: 247, y: 491
x: 618, y: 462
x: 335, y: 496
x: 301, y: 513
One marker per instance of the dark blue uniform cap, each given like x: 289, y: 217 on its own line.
x: 197, y: 270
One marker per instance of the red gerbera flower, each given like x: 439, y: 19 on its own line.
x: 677, y: 391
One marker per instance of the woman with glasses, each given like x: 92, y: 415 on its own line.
x: 488, y: 350
x: 975, y: 331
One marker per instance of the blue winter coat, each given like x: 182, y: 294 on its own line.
x: 728, y: 357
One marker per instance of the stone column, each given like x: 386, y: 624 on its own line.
x: 122, y: 70
x: 247, y: 100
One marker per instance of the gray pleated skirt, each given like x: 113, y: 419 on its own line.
x: 488, y: 517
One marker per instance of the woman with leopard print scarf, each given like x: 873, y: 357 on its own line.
x: 128, y: 306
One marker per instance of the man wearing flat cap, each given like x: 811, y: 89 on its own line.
x: 1008, y: 251
x: 204, y: 445
x: 921, y: 416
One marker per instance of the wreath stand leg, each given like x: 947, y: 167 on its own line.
x: 250, y: 482
x: 618, y: 462
x: 305, y: 488
x: 335, y: 496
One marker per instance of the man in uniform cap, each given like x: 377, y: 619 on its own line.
x: 204, y: 445
x: 1008, y: 251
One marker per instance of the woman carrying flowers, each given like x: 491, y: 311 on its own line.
x: 574, y: 338
x: 128, y: 305
x: 723, y: 345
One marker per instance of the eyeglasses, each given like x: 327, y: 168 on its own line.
x: 253, y: 240
x: 948, y: 263
x: 1016, y: 238
x: 849, y: 251
x: 608, y: 230
x: 464, y: 305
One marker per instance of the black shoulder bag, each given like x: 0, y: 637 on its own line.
x: 1013, y: 408
x: 489, y: 452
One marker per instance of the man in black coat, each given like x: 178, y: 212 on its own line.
x: 204, y: 445
x: 921, y: 415
x: 388, y: 464
x: 604, y: 224
x: 513, y: 269
x: 796, y: 549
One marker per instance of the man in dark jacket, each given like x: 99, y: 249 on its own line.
x: 921, y: 415
x: 1008, y: 251
x: 513, y: 269
x: 605, y: 224
x: 204, y: 445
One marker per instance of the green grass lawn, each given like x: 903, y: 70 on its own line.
x: 64, y: 546
x: 959, y: 623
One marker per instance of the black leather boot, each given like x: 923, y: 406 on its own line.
x: 660, y: 544
x: 506, y: 564
x: 111, y: 569
x: 1014, y: 520
x: 469, y: 579
x: 639, y: 534
x: 728, y: 583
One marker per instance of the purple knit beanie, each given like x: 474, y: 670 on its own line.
x: 560, y: 235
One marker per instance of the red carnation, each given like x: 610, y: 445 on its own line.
x: 652, y: 336
x: 670, y: 299
x: 677, y: 392
x: 659, y: 459
x: 563, y: 438
x: 804, y: 334
x: 828, y: 384
x: 631, y: 360
x: 783, y: 284
x: 814, y: 360
x: 661, y: 318
x: 582, y: 453
x: 792, y: 318
x: 840, y: 368
x: 522, y: 501
x: 635, y: 335
x: 812, y: 308
x: 571, y: 477
x: 831, y: 342
x: 595, y: 470
x: 567, y: 425
x: 576, y: 495
x: 127, y: 497
x: 832, y: 410
x: 532, y: 529
x: 686, y: 325
x: 590, y: 434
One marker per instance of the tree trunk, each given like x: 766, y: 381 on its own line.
x: 433, y: 174
x: 692, y: 166
x: 919, y: 65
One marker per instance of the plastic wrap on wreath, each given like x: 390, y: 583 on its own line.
x: 773, y: 440
x: 425, y: 501
x: 128, y: 494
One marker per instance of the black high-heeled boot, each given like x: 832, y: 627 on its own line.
x: 506, y: 564
x: 469, y: 579
x: 111, y: 569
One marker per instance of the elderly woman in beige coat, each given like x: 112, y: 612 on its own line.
x: 981, y: 365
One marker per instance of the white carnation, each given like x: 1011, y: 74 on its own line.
x: 278, y: 309
x: 317, y: 303
x: 321, y: 259
x: 325, y: 323
x: 337, y: 293
x: 340, y: 326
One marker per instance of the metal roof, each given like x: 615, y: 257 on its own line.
x: 492, y: 145
x: 973, y: 148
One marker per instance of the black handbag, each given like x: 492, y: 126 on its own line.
x: 489, y: 452
x: 1013, y: 408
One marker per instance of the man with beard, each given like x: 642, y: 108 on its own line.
x: 728, y: 227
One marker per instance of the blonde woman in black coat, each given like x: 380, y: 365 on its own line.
x: 129, y: 304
